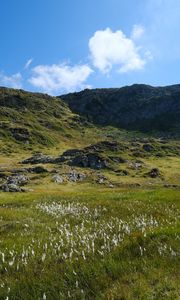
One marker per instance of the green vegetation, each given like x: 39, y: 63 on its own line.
x: 93, y: 244
x: 155, y: 110
x: 101, y: 220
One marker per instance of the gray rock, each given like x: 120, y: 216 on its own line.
x: 148, y: 147
x: 18, y: 179
x: 111, y: 185
x: 10, y: 187
x: 14, y: 183
x: 57, y: 178
x: 39, y: 158
x: 155, y: 172
x: 137, y: 165
x: 90, y: 160
x: 101, y: 180
x: 75, y: 176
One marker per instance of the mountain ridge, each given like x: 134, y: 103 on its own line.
x: 140, y: 107
x: 31, y: 119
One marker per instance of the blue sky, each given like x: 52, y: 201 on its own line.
x: 59, y: 46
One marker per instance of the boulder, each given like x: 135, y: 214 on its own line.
x: 75, y: 176
x: 111, y: 185
x: 57, y: 178
x: 155, y: 172
x: 11, y: 187
x: 148, y: 147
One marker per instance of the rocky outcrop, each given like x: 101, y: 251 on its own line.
x: 15, y: 183
x: 89, y: 157
x: 92, y: 156
x: 39, y: 158
x: 20, y: 134
x: 75, y: 176
x: 11, y: 188
x: 89, y: 160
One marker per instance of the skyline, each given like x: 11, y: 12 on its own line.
x: 54, y: 47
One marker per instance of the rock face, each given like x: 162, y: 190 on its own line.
x: 139, y: 106
x: 39, y: 158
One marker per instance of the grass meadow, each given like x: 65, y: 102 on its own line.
x: 90, y: 244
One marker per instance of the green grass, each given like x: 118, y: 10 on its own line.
x: 83, y: 240
x: 90, y: 244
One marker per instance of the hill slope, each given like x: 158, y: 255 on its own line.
x: 33, y: 120
x: 136, y: 107
x: 98, y: 216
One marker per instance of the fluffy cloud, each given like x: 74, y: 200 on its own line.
x: 13, y: 81
x: 110, y: 48
x: 137, y: 32
x: 59, y: 78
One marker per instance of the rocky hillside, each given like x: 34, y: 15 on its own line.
x: 31, y: 119
x: 34, y: 121
x: 45, y: 143
x: 137, y: 107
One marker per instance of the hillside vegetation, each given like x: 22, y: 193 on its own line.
x: 89, y: 194
x: 137, y: 107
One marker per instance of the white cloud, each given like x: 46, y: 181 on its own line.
x: 28, y: 63
x: 137, y: 32
x: 13, y: 81
x: 58, y: 78
x: 110, y: 49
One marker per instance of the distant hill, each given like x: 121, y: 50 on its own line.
x: 137, y: 107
